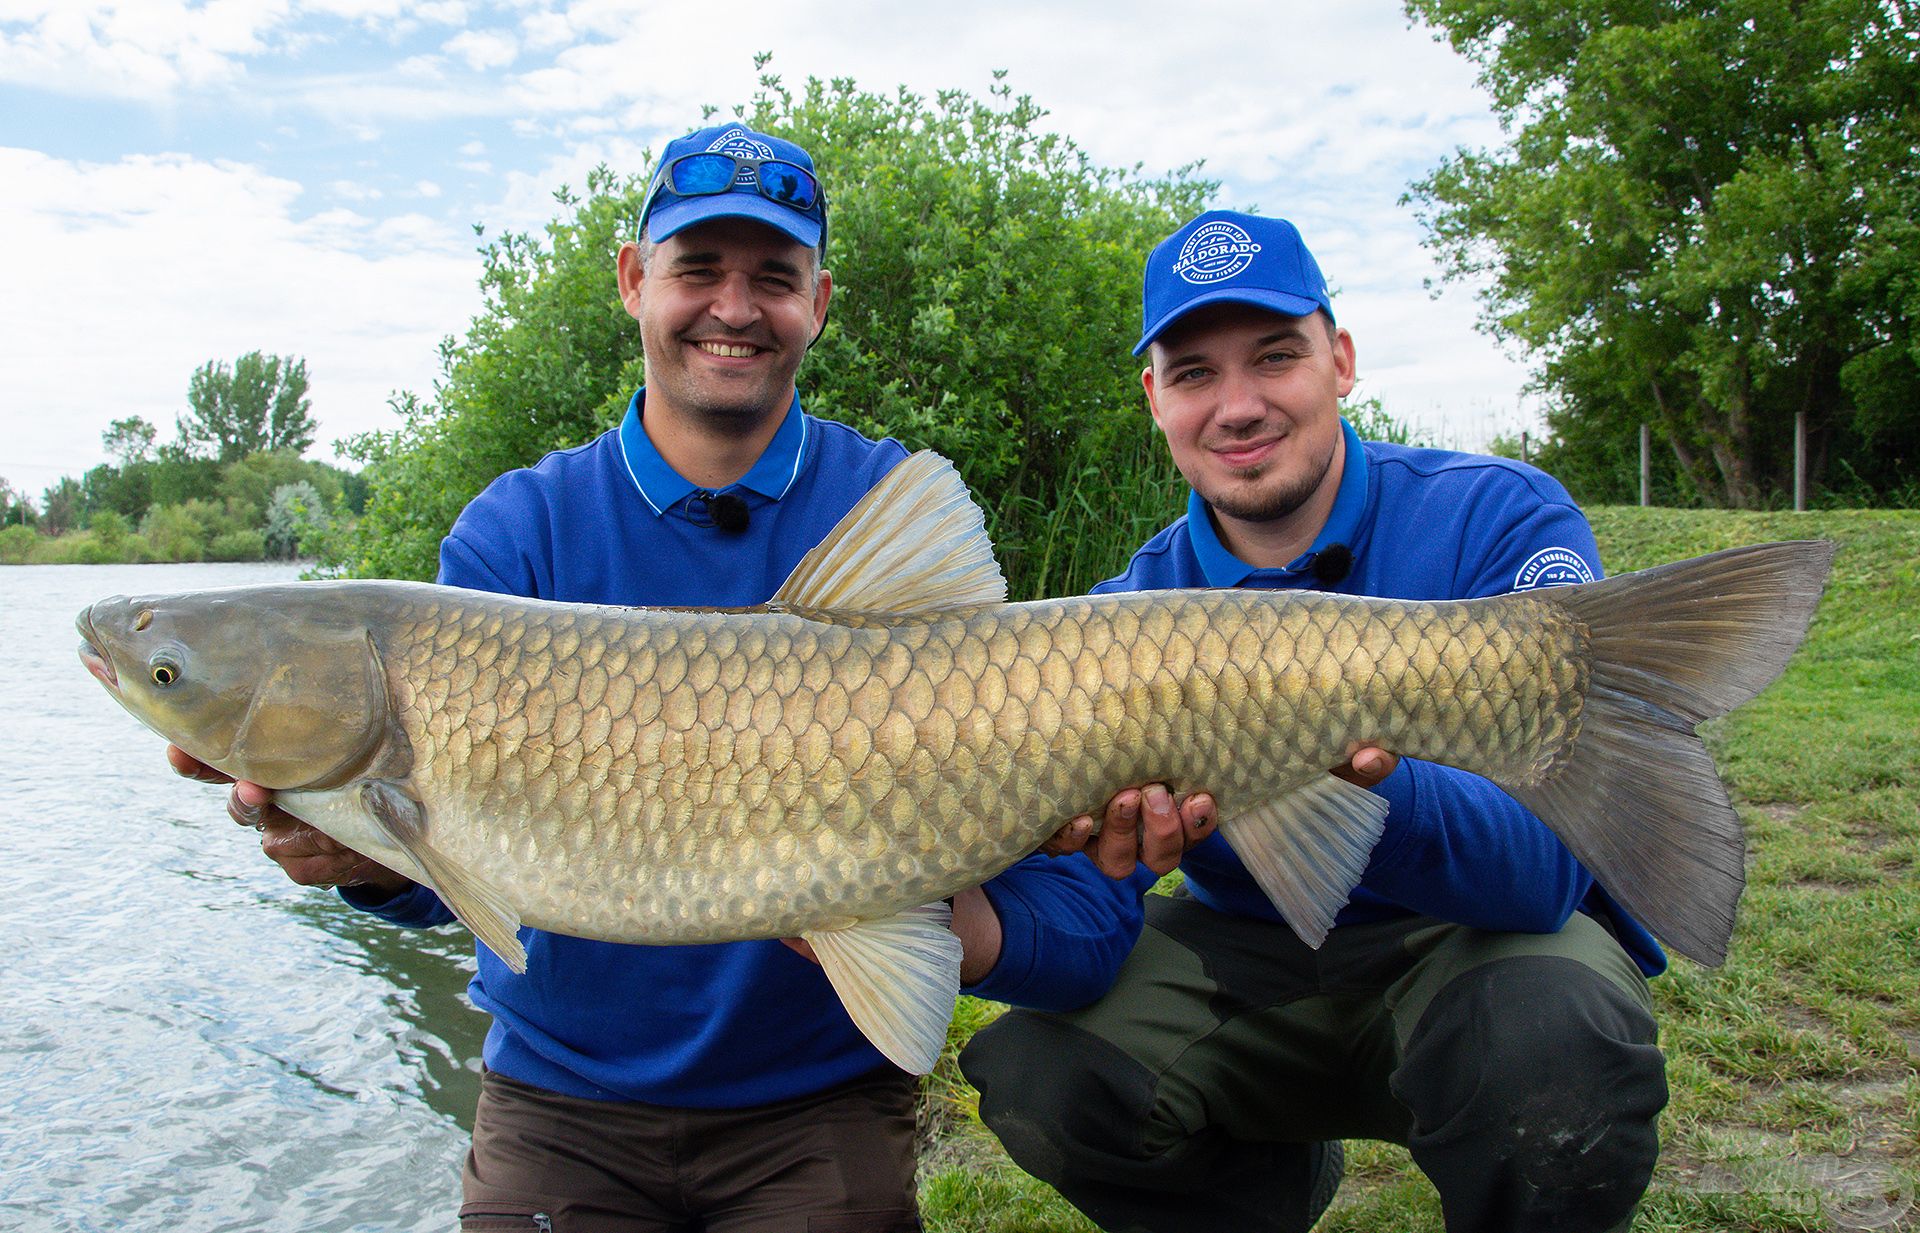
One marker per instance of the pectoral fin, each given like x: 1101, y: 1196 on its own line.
x: 1308, y: 849
x: 478, y: 903
x: 897, y: 978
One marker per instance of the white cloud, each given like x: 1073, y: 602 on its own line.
x: 347, y: 190
x: 426, y: 188
x: 125, y: 276
x: 545, y: 30
x: 142, y: 49
x: 482, y: 49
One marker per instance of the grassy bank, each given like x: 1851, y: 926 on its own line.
x: 1795, y: 1069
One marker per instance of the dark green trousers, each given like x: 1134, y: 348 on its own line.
x: 1520, y: 1070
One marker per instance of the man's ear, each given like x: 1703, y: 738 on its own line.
x: 822, y: 297
x: 1153, y: 405
x: 629, y: 273
x: 1345, y: 366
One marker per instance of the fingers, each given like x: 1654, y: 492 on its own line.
x: 306, y: 855
x: 1070, y: 838
x: 186, y: 764
x: 1367, y: 766
x: 249, y: 804
x: 1116, y: 850
x: 314, y: 858
x: 1145, y: 825
x: 1170, y: 829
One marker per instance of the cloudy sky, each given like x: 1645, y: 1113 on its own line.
x: 184, y: 181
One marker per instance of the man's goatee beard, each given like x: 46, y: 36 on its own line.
x: 734, y: 419
x: 1269, y: 508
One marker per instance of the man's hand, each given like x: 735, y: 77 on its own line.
x: 1142, y: 826
x: 307, y: 856
x: 1146, y: 826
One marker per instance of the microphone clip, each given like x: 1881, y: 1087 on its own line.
x: 724, y: 510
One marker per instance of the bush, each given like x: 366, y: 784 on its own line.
x: 173, y: 533
x: 295, y: 513
x: 238, y: 546
x: 17, y: 544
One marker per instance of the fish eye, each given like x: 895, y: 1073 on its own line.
x: 165, y: 672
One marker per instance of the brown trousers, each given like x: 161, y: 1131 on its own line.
x: 840, y: 1161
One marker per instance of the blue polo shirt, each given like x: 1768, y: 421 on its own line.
x: 1421, y: 525
x: 740, y: 1023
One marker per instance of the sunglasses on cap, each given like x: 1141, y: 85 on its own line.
x: 710, y: 172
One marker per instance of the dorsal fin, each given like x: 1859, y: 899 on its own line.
x: 915, y: 543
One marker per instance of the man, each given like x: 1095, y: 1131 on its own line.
x: 1480, y: 999
x: 717, y: 1087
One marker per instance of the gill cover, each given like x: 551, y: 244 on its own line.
x: 319, y: 713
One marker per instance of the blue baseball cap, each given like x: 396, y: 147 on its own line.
x: 1227, y: 256
x: 781, y: 197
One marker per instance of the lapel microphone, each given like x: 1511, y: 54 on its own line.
x: 728, y: 511
x: 1332, y: 563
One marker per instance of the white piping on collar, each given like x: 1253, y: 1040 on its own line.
x: 638, y: 486
x: 799, y: 452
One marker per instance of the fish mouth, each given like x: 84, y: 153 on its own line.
x: 92, y: 656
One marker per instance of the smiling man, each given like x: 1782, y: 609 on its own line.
x: 1480, y: 1000
x: 722, y: 1087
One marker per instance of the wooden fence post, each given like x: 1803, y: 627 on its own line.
x: 1646, y: 467
x: 1799, y: 461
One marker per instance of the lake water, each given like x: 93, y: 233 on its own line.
x: 188, y: 1041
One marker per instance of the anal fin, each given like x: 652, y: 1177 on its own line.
x: 479, y: 904
x: 1308, y: 849
x: 897, y: 978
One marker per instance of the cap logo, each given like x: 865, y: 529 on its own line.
x: 1552, y: 567
x: 1216, y: 251
x: 738, y: 142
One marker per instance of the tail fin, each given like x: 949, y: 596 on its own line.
x: 1637, y: 797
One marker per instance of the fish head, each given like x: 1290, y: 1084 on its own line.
x: 262, y: 683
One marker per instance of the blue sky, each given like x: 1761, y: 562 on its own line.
x: 190, y: 181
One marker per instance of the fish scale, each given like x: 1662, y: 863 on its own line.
x: 664, y: 783
x: 888, y: 731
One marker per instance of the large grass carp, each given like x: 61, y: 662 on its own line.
x: 888, y: 731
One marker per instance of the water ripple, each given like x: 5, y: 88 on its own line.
x: 187, y: 1041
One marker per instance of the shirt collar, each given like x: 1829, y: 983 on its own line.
x: 1223, y: 569
x: 661, y: 487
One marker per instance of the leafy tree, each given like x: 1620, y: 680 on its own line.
x: 16, y: 508
x: 259, y: 404
x: 295, y: 513
x: 986, y: 290
x: 129, y: 441
x: 251, y: 481
x: 176, y: 476
x: 126, y: 492
x: 61, y: 506
x: 1704, y: 219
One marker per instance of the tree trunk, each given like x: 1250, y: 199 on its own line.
x: 1691, y: 465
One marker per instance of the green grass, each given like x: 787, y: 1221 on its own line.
x: 1794, y: 1069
